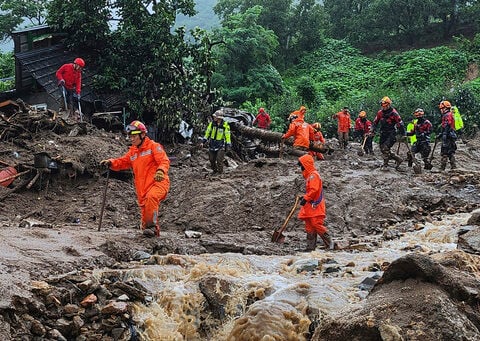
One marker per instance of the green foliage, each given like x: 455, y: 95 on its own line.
x: 7, y: 71
x: 84, y: 21
x: 244, y: 70
x: 15, y: 12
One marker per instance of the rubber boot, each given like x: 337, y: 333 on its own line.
x: 150, y: 231
x: 385, y: 163
x: 311, y: 241
x: 410, y: 159
x: 453, y: 162
x: 398, y: 161
x: 443, y: 163
x: 327, y: 241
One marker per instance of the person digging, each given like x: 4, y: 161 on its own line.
x: 150, y: 165
x: 312, y: 210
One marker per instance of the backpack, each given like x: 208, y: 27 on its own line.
x: 457, y: 118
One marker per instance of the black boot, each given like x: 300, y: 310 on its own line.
x: 311, y: 241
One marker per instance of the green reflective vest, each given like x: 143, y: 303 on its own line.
x: 411, y: 127
x: 457, y: 118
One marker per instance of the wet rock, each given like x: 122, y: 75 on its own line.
x: 37, y: 328
x: 474, y: 218
x: 416, y: 298
x: 193, y: 234
x: 305, y: 265
x: 71, y: 309
x: 89, y: 286
x: 41, y: 288
x: 64, y: 326
x: 115, y: 308
x: 77, y: 324
x: 132, y: 291
x: 470, y: 241
x: 367, y: 284
x: 217, y: 292
x: 54, y: 334
x: 141, y: 255
x: 89, y: 300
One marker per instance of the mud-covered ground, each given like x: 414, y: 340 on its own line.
x: 52, y: 227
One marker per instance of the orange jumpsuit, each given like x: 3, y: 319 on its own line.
x: 145, y: 160
x: 318, y: 137
x: 313, y: 212
x: 302, y: 132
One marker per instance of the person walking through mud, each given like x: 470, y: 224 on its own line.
x: 422, y: 129
x: 217, y: 138
x: 263, y: 120
x: 318, y: 139
x: 150, y: 165
x: 363, y: 127
x: 300, y: 130
x: 313, y: 211
x: 343, y: 126
x: 69, y: 78
x: 391, y: 124
x: 448, y: 136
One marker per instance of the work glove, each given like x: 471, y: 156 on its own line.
x: 228, y: 147
x: 159, y: 175
x: 439, y: 136
x: 105, y: 163
x: 303, y: 201
x: 76, y: 96
x: 61, y: 82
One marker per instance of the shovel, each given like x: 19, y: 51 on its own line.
x: 361, y: 152
x: 80, y: 111
x: 431, y: 155
x: 104, y: 199
x: 277, y: 236
x: 417, y: 167
x: 64, y: 94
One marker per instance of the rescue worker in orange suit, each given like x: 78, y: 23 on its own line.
x: 313, y: 210
x: 391, y: 124
x: 262, y: 120
x: 217, y: 137
x: 150, y: 165
x: 317, y: 138
x: 448, y: 136
x: 300, y: 130
x: 343, y: 126
x: 422, y: 130
x: 363, y: 126
x: 69, y: 77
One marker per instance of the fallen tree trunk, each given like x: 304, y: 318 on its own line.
x: 271, y: 136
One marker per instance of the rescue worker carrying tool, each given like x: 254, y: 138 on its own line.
x: 300, y: 130
x: 69, y: 77
x: 217, y: 138
x: 391, y: 124
x: 363, y: 126
x: 448, y: 136
x: 313, y: 209
x: 422, y: 130
x: 150, y: 165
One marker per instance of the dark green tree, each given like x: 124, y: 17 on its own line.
x: 245, y: 70
x: 86, y: 23
x: 15, y: 12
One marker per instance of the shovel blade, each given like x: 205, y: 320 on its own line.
x: 360, y: 153
x: 278, y: 237
x: 417, y: 169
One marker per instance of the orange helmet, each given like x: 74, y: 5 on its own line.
x: 317, y: 126
x: 362, y: 114
x: 80, y: 62
x: 302, y: 108
x: 444, y: 104
x: 418, y: 113
x: 136, y: 127
x: 385, y: 101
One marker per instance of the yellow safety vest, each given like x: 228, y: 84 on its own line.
x: 411, y: 127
